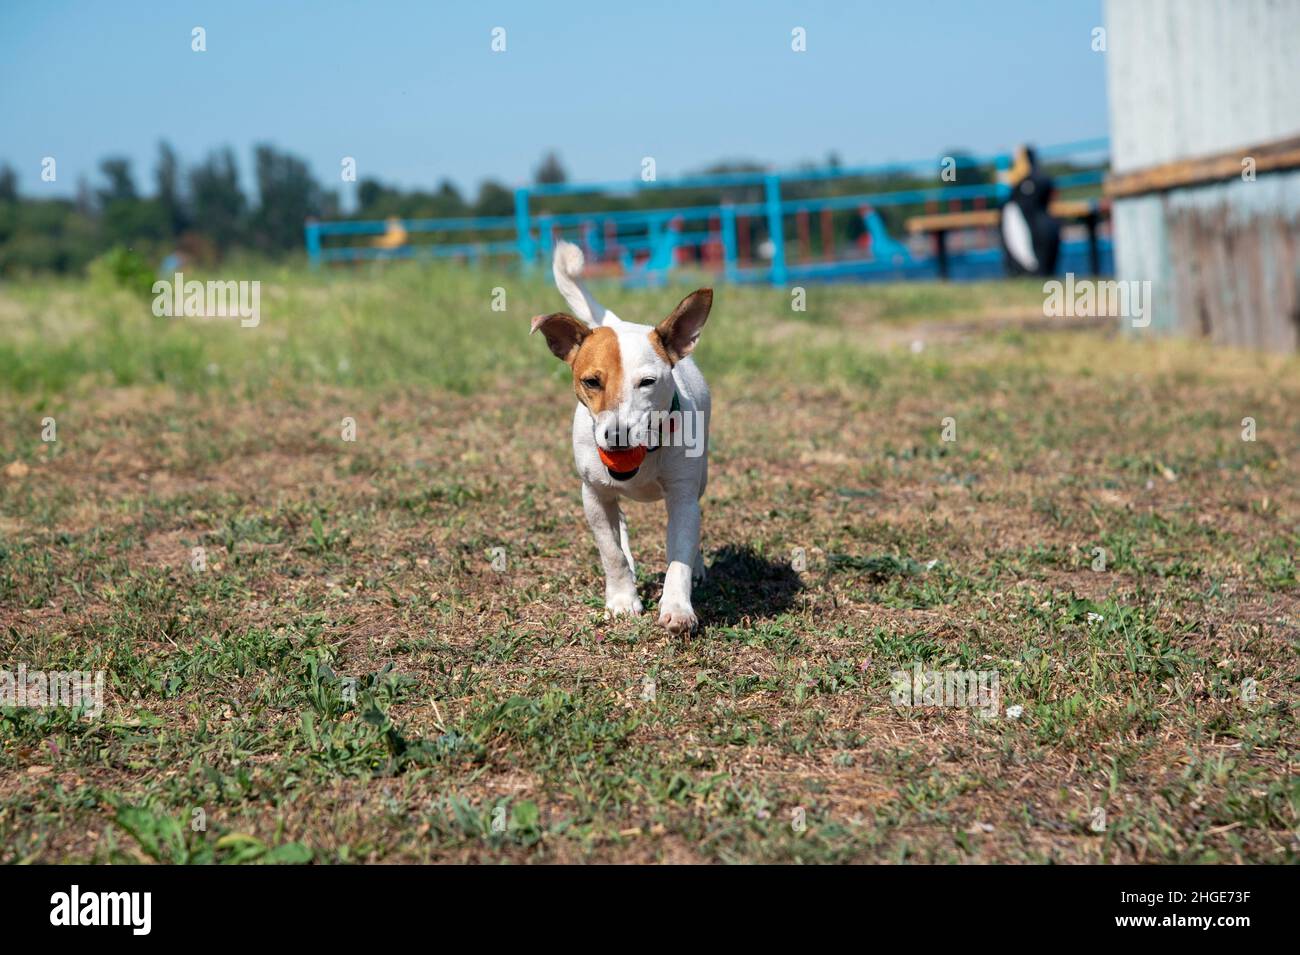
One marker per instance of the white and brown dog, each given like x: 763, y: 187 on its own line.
x: 640, y: 430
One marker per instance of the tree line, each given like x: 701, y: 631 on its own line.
x: 201, y: 211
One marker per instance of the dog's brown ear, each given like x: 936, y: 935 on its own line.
x: 564, y: 333
x: 679, y: 332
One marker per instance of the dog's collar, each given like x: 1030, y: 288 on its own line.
x: 672, y: 423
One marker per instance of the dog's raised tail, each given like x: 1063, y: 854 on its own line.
x: 567, y: 267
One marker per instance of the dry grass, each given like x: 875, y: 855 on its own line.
x: 498, y: 716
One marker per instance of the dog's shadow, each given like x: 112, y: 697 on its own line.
x: 743, y: 584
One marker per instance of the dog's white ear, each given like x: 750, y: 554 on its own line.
x: 679, y: 332
x: 564, y: 334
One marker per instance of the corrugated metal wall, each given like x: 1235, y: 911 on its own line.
x: 1195, y: 78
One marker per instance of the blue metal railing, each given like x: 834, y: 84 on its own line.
x: 646, y: 241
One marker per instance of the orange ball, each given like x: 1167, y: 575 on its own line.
x: 622, y: 460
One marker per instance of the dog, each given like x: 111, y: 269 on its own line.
x: 640, y: 431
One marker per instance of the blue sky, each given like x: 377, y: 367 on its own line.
x: 413, y: 91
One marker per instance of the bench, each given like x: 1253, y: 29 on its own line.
x: 939, y: 224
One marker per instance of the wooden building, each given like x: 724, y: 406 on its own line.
x: 1205, y: 164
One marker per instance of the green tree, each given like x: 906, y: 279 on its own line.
x: 219, y: 204
x: 287, y: 195
x: 167, y: 176
x: 551, y: 170
x: 126, y: 218
x: 8, y: 184
x: 494, y: 199
x: 121, y: 185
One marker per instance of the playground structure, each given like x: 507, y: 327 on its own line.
x: 765, y: 235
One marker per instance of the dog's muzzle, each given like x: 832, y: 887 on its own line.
x: 622, y: 463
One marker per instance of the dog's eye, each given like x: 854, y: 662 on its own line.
x: 646, y: 382
x: 592, y: 383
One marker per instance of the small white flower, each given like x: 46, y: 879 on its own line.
x: 918, y: 346
x: 1095, y: 618
x: 1015, y: 712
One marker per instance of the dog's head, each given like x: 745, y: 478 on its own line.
x: 622, y: 372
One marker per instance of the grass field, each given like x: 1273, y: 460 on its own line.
x: 497, y: 716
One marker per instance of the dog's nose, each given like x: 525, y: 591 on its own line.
x: 608, y: 434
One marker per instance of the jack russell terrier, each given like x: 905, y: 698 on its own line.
x: 640, y: 430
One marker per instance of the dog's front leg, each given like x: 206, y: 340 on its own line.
x: 620, y: 582
x: 675, y: 610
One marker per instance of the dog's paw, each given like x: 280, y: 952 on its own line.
x: 621, y: 605
x: 677, y: 618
